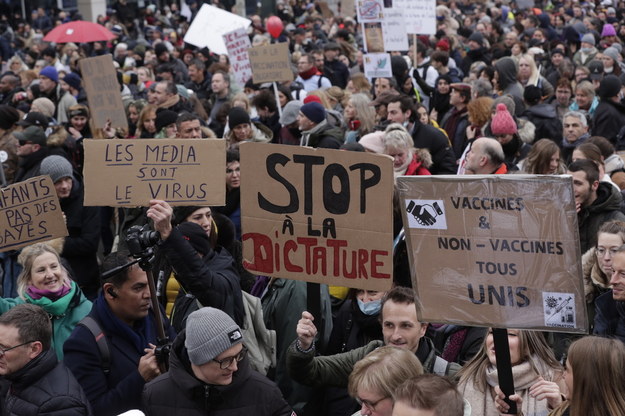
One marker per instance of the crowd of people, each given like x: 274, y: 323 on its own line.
x: 500, y: 88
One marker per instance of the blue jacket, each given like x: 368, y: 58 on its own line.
x: 609, y: 317
x: 121, y: 389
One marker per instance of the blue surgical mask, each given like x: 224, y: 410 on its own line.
x: 586, y: 50
x: 370, y: 308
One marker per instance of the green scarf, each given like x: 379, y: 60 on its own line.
x: 55, y: 308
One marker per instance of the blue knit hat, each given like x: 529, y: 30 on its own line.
x: 314, y: 112
x: 73, y: 80
x: 50, y: 72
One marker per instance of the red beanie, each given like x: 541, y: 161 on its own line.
x: 502, y: 121
x: 443, y: 45
x: 312, y: 99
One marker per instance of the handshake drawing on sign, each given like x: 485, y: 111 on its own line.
x: 424, y: 214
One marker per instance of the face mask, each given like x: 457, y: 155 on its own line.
x: 370, y: 308
x: 586, y: 50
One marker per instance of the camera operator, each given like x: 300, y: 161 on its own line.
x: 205, y: 272
x: 113, y: 378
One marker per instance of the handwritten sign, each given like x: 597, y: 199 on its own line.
x: 271, y: 63
x: 419, y: 15
x: 103, y: 93
x: 237, y: 42
x: 29, y: 213
x: 317, y: 215
x: 499, y: 251
x: 131, y: 172
x: 370, y: 10
x: 394, y: 27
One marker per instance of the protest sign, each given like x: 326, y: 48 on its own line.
x: 326, y: 11
x: 210, y: 24
x: 271, y: 63
x: 419, y: 15
x: 369, y: 10
x: 374, y: 41
x: 318, y: 215
x: 29, y: 213
x: 348, y: 8
x: 103, y: 94
x: 237, y: 42
x: 394, y: 28
x: 131, y: 172
x: 377, y: 65
x: 495, y: 250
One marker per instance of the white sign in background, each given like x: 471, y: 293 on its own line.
x: 210, y: 24
x: 237, y: 42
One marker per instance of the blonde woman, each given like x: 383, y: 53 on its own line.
x: 44, y: 281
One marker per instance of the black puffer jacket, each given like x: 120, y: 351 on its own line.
x: 45, y: 387
x: 179, y: 393
x: 212, y: 279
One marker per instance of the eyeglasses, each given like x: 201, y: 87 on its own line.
x: 601, y: 251
x: 369, y: 405
x: 227, y: 362
x: 5, y: 350
x: 23, y: 143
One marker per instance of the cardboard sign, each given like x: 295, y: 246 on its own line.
x: 377, y: 65
x: 419, y: 15
x: 237, y: 42
x: 271, y: 63
x: 30, y: 213
x: 500, y: 251
x: 103, y: 94
x: 317, y: 215
x: 348, y: 8
x: 210, y: 24
x: 326, y: 12
x: 131, y: 172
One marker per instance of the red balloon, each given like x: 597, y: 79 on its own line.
x: 274, y: 26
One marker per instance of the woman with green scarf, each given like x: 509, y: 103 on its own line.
x: 45, y: 282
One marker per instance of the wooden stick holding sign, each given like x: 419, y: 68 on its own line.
x: 504, y: 367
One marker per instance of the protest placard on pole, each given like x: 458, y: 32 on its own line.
x: 419, y: 15
x: 271, y: 63
x: 317, y: 215
x: 131, y: 172
x: 237, y: 43
x: 30, y: 213
x: 210, y: 24
x: 103, y: 92
x: 495, y: 250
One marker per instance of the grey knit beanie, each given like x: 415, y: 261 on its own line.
x: 210, y: 332
x: 57, y: 167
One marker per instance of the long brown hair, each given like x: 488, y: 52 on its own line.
x: 532, y: 348
x: 598, y: 366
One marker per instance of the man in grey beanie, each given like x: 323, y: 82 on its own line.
x: 209, y: 374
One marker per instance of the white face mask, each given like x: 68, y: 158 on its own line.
x: 586, y: 50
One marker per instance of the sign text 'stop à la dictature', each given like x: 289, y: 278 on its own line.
x: 317, y: 215
x: 495, y: 250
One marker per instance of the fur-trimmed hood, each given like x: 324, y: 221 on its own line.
x: 593, y: 276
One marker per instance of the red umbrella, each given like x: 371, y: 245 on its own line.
x: 79, y: 31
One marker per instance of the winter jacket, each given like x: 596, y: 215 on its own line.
x: 508, y: 71
x: 8, y: 152
x: 608, y: 120
x: 44, y: 386
x: 212, y: 279
x: 179, y: 393
x: 81, y: 245
x: 455, y: 124
x: 121, y: 389
x: 65, y: 313
x: 605, y: 208
x: 334, y: 370
x: 202, y: 90
x: 323, y: 135
x: 609, y: 317
x: 432, y: 139
x: 545, y: 118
